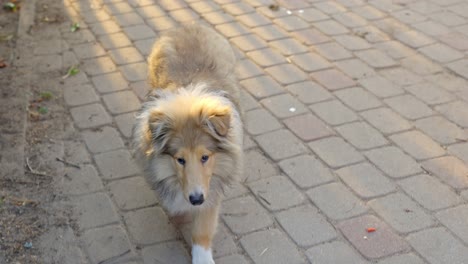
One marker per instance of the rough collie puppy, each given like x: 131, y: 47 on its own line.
x: 188, y: 135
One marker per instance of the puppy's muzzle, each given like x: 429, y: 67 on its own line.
x: 196, y: 198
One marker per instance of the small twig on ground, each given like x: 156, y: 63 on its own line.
x: 263, y: 252
x: 21, y: 201
x: 68, y: 163
x: 33, y: 171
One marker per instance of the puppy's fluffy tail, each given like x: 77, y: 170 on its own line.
x: 190, y: 54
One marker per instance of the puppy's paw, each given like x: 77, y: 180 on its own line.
x: 200, y: 255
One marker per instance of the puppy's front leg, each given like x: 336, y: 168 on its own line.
x: 204, y: 228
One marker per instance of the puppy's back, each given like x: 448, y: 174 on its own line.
x: 192, y: 54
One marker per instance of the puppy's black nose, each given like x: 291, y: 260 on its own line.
x: 196, y: 199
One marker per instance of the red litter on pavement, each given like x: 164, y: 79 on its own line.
x: 370, y: 229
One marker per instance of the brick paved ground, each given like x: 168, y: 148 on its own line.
x: 356, y: 117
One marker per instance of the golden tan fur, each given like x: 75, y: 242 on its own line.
x: 188, y: 135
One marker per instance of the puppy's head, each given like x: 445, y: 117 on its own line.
x: 191, y: 130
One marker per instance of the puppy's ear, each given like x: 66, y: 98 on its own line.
x: 219, y: 122
x: 154, y: 132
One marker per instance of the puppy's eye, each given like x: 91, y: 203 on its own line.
x: 204, y: 158
x: 181, y: 161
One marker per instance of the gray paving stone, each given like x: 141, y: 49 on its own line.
x: 184, y: 15
x: 105, y: 27
x: 331, y: 27
x: 386, y: 121
x: 247, y: 102
x: 291, y: 23
x: 310, y: 36
x: 129, y: 19
x: 335, y: 151
x: 259, y: 121
x: 409, y: 106
x: 357, y: 98
x: 380, y: 86
x: 262, y: 86
x: 393, y: 162
x: 125, y: 55
x: 233, y: 29
x: 253, y: 20
x: 336, y: 202
x: 418, y: 145
x: 276, y: 193
x: 352, y: 43
x: 306, y: 226
x: 366, y: 180
x: 88, y: 50
x: 413, y: 38
x: 233, y: 259
x: 168, y: 252
x: 438, y: 246
x: 288, y: 46
x: 121, y: 102
x: 243, y: 215
x: 249, y: 42
x: 266, y: 57
x: 90, y: 116
x: 395, y: 49
x: 134, y: 72
x: 286, y: 73
x: 448, y: 169
x: 284, y: 105
x: 432, y: 28
x: 279, y: 248
x: 105, y: 243
x: 138, y: 32
x: 80, y: 181
x: 447, y: 81
x: 350, y: 19
x: 98, y: 66
x: 115, y: 164
x: 312, y: 15
x: 401, y: 76
x: 460, y: 67
x: 149, y: 225
x: 247, y: 69
x: 132, y: 193
x: 75, y: 151
x: 309, y: 92
x: 102, y: 139
x: 382, y: 243
x: 355, y: 68
x: 330, y: 7
x: 270, y: 32
x: 429, y: 192
x: 456, y: 112
x: 334, y: 112
x: 150, y: 11
x: 306, y: 171
x: 111, y: 82
x: 116, y: 40
x: 401, y: 213
x: 94, y: 210
x: 172, y: 4
x: 334, y: 252
x: 308, y: 127
x: 79, y: 95
x: 464, y: 194
x: 361, y: 135
x: 409, y: 258
x: 280, y: 144
x: 145, y: 46
x: 430, y: 93
x: 204, y: 7
x: 238, y: 8
x: 460, y: 150
x: 223, y: 242
x: 125, y: 123
x: 421, y: 65
x: 332, y: 51
x: 310, y: 62
x: 118, y: 8
x: 158, y: 24
x: 375, y: 58
x: 455, y: 220
x: 95, y: 15
x: 441, y: 130
x: 332, y: 79
x: 257, y: 166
